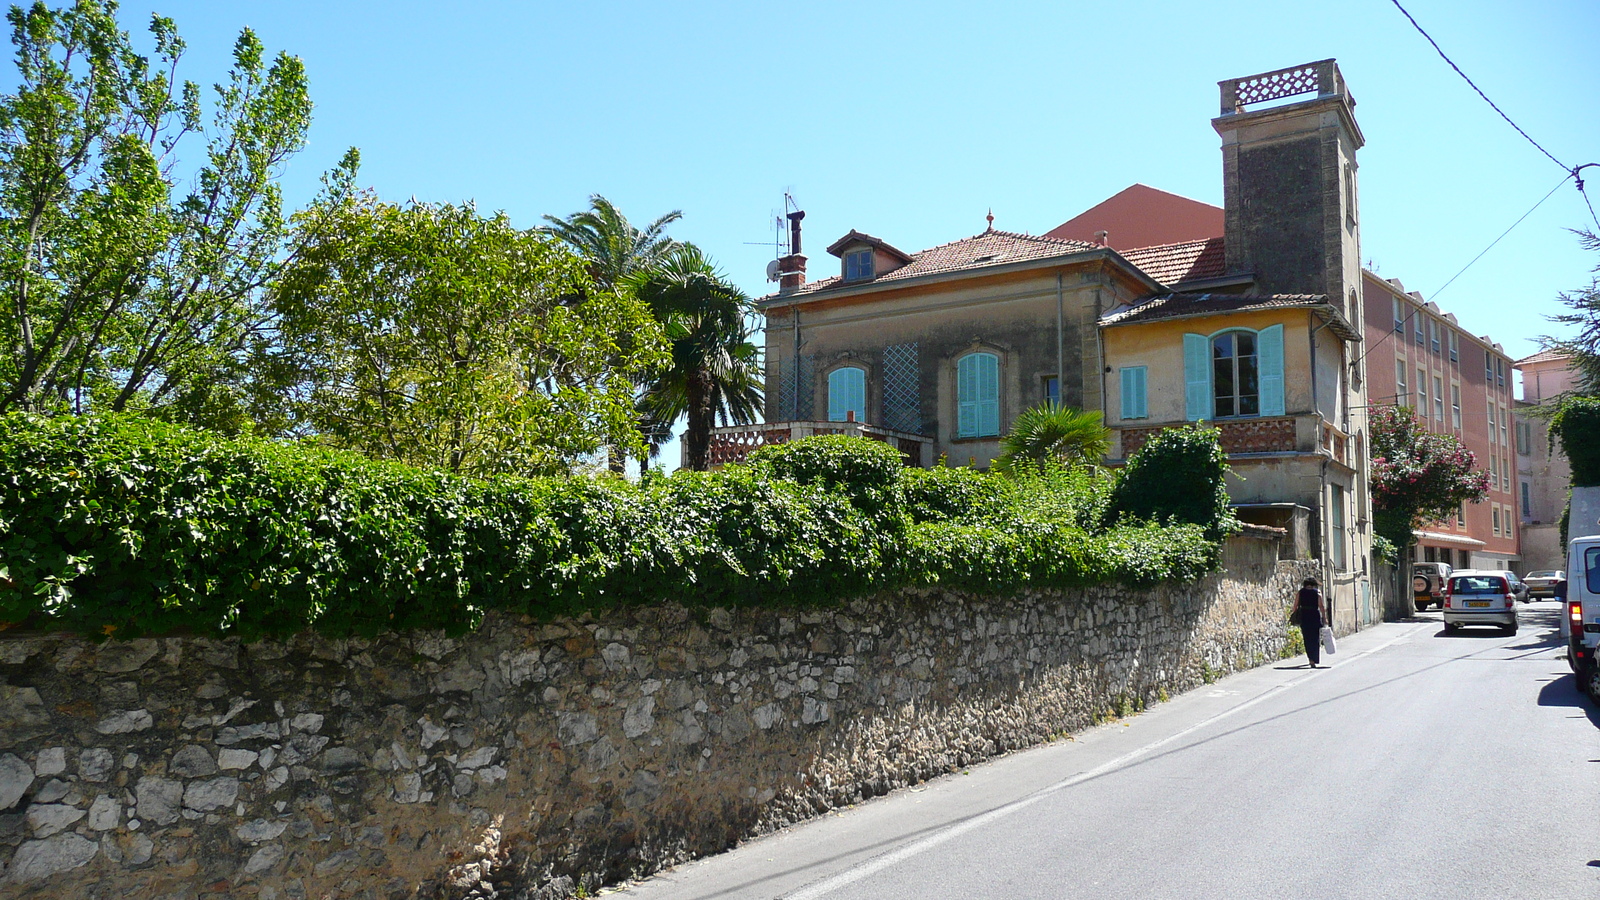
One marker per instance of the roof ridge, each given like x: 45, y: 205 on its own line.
x: 1078, y: 245
x: 1189, y: 243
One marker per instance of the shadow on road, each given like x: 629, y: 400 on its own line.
x: 1563, y: 691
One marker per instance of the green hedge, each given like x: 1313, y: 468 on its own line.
x: 129, y: 526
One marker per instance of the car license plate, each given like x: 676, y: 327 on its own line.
x: 1477, y: 603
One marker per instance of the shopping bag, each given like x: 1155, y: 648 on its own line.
x: 1326, y: 637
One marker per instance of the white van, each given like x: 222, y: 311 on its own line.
x: 1580, y: 619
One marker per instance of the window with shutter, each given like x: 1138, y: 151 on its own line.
x: 978, y: 395
x: 1133, y: 392
x: 847, y: 393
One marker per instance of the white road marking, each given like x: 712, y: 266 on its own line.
x: 870, y: 867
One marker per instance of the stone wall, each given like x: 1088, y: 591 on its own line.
x: 528, y: 758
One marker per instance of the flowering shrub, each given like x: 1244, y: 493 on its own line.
x: 1418, y: 476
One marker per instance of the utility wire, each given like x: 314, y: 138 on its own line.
x: 1564, y: 166
x: 1572, y: 171
x: 1391, y: 332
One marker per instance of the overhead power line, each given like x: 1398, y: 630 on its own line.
x: 1572, y: 171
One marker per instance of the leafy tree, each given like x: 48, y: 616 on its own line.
x: 434, y: 335
x: 611, y: 245
x: 1053, y: 432
x: 1417, y: 476
x: 1584, y: 349
x: 122, y: 290
x: 713, y: 370
x: 615, y: 250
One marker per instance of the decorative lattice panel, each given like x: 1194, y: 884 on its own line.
x: 808, y: 389
x: 1277, y: 85
x: 781, y: 375
x: 902, y: 407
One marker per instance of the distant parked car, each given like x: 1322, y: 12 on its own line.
x: 1517, y: 586
x: 1543, y: 583
x: 1429, y: 583
x: 1481, y: 598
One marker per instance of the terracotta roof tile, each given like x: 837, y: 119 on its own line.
x: 1177, y: 305
x: 1185, y: 261
x: 991, y: 248
x: 1548, y: 355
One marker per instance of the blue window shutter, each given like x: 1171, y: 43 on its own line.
x: 978, y: 395
x: 1133, y: 397
x: 1269, y: 354
x: 967, y: 396
x: 1197, y: 376
x: 1144, y: 393
x: 988, y: 394
x: 847, y: 390
x: 1133, y: 392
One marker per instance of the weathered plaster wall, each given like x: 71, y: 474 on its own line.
x: 527, y: 757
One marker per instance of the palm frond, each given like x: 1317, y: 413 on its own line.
x: 1053, y: 432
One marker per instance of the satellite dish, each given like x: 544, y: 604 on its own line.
x: 772, y: 271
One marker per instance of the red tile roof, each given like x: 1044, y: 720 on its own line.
x: 1176, y: 305
x: 991, y: 248
x: 1177, y: 263
x: 1548, y: 355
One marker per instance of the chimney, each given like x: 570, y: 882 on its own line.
x: 792, y: 268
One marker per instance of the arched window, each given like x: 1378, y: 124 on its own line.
x: 978, y: 395
x: 847, y: 393
x: 1235, y: 374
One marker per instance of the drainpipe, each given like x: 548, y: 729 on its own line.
x: 794, y: 410
x: 1060, y: 341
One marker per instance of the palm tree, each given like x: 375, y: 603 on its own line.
x: 612, y: 246
x: 713, y: 371
x: 1051, y: 431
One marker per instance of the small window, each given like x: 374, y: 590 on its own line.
x: 847, y: 393
x: 978, y: 395
x: 1133, y: 392
x: 1433, y: 334
x: 1399, y: 316
x: 1336, y: 529
x: 1438, y: 399
x: 1496, y: 514
x: 1488, y: 367
x: 1461, y: 518
x: 1422, y: 393
x: 1402, y: 393
x: 1455, y: 346
x: 1416, y: 325
x: 1505, y: 417
x: 858, y: 265
x: 1500, y: 373
x: 1052, y: 389
x: 1527, y: 501
x: 1455, y: 404
x: 1492, y: 431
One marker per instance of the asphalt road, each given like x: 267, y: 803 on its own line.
x: 1421, y: 765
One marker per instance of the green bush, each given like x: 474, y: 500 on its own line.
x: 1177, y: 476
x: 864, y: 470
x: 127, y: 526
x: 1577, y: 424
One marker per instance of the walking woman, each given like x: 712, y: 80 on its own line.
x: 1313, y: 612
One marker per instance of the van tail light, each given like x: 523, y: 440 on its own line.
x: 1575, y: 615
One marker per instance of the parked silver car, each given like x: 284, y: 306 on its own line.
x: 1543, y: 583
x: 1517, y: 586
x: 1481, y: 598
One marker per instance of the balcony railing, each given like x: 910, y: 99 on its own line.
x: 1274, y: 435
x: 731, y: 444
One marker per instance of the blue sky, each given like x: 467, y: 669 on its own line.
x: 911, y: 120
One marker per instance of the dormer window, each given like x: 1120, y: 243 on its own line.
x: 858, y: 265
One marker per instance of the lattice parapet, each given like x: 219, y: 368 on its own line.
x: 1321, y: 78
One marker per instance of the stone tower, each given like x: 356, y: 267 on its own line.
x: 1289, y: 183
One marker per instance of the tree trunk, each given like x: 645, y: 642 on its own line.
x: 697, y: 438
